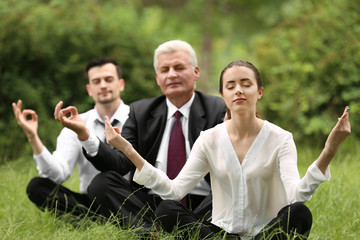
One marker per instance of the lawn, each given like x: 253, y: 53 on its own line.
x: 335, y: 206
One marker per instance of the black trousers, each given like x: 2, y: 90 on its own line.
x: 132, y: 205
x: 290, y: 219
x: 46, y: 194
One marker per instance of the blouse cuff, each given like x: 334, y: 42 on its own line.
x: 43, y: 154
x: 317, y: 174
x: 141, y: 177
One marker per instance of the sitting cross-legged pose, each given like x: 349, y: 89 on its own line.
x: 104, y: 85
x: 256, y: 188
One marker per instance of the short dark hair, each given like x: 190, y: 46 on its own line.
x: 97, y: 62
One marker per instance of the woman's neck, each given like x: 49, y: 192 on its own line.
x: 244, y: 126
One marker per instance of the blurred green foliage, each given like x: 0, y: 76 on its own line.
x: 44, y: 48
x: 310, y: 64
x: 307, y: 51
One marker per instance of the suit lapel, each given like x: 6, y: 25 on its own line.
x: 197, y: 120
x: 155, y: 129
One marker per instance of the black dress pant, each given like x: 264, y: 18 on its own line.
x: 132, y: 205
x: 294, y: 218
x: 46, y: 194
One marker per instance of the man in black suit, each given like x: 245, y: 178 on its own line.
x: 148, y: 130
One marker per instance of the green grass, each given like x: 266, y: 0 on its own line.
x: 335, y: 206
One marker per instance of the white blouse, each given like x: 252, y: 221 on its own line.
x: 245, y: 196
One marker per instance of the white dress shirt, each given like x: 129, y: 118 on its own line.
x: 203, y: 187
x: 245, y: 196
x: 59, y: 165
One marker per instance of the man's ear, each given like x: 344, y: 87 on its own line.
x: 156, y: 77
x: 197, y: 73
x: 88, y: 90
x: 122, y: 85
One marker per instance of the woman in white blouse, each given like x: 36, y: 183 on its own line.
x: 256, y: 187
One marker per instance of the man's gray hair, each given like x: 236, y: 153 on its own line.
x: 174, y: 46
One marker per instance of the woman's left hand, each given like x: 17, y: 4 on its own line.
x: 337, y: 135
x: 340, y: 132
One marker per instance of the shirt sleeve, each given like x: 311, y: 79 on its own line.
x: 91, y: 145
x: 59, y: 165
x: 193, y: 171
x: 298, y: 189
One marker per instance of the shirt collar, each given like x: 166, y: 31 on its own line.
x: 118, y: 115
x: 185, y: 109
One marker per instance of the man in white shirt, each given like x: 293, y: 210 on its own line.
x: 104, y: 85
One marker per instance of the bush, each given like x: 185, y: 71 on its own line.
x: 310, y: 63
x: 44, y: 48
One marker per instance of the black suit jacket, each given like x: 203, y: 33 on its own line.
x: 145, y: 127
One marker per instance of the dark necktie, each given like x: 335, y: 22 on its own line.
x: 114, y: 122
x: 176, y: 151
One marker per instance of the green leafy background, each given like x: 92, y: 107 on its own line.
x: 307, y: 51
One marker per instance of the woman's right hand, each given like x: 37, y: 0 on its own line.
x: 114, y: 138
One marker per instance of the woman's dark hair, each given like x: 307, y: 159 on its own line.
x: 241, y: 63
x: 97, y: 62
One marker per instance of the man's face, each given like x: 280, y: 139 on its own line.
x: 175, y: 76
x: 104, y: 84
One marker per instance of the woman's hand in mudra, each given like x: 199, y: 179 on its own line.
x: 114, y: 138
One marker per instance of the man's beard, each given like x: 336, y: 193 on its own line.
x: 106, y: 101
